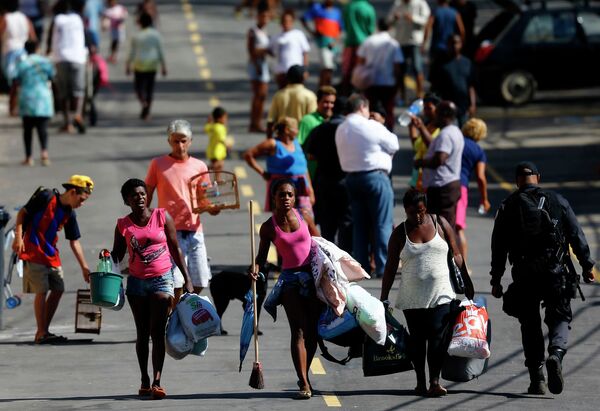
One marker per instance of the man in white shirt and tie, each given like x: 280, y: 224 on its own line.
x: 365, y: 148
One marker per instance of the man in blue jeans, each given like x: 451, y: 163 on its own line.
x: 365, y: 149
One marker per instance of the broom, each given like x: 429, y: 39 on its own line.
x: 256, y: 378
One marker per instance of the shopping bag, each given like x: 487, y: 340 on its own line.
x: 461, y: 369
x: 391, y: 358
x: 198, y: 316
x: 178, y: 344
x: 469, y: 333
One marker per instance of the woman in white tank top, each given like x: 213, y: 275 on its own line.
x: 421, y: 245
x: 15, y: 30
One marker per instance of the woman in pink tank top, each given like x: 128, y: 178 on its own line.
x: 291, y: 233
x: 150, y: 238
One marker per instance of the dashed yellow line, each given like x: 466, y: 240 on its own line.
x: 257, y: 208
x: 195, y: 38
x: 272, y: 256
x: 332, y: 401
x: 192, y: 26
x: 214, y: 101
x: 496, y: 176
x: 247, y: 190
x: 240, y: 172
x: 189, y: 15
x: 199, y: 50
x: 205, y: 73
x: 316, y: 368
x: 202, y: 61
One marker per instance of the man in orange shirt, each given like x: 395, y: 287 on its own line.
x: 169, y: 175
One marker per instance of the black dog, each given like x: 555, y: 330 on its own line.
x: 231, y: 285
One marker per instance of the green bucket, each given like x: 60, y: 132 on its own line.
x: 105, y: 288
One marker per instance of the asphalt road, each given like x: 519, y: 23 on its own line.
x: 206, y: 58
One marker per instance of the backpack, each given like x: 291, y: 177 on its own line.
x: 539, y: 229
x: 36, y: 193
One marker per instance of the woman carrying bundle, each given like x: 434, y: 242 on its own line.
x: 290, y: 232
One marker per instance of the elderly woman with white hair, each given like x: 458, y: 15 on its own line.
x: 169, y: 176
x: 473, y: 159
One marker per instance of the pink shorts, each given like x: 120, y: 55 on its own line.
x: 461, y: 208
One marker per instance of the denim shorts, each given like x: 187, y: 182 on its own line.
x: 144, y: 287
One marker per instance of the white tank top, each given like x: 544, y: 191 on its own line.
x: 425, y: 278
x: 261, y: 38
x: 16, y: 33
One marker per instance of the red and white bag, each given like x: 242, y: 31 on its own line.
x: 469, y: 337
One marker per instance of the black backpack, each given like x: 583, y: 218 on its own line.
x: 538, y: 218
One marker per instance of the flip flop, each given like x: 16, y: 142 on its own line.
x: 144, y: 391
x: 303, y: 395
x: 158, y: 393
x: 56, y: 338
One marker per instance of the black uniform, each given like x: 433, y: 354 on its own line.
x: 539, y: 270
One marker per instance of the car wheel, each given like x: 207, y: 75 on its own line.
x: 517, y: 87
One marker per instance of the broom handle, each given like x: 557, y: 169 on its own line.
x: 253, y: 264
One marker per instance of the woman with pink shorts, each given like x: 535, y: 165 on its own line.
x: 473, y: 159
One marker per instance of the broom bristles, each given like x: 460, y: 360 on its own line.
x: 256, y: 378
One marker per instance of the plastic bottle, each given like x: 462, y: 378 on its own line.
x: 105, y: 262
x: 481, y: 209
x: 414, y: 110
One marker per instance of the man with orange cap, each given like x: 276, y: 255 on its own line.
x: 36, y: 234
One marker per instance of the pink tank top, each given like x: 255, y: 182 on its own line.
x: 293, y: 247
x: 147, y: 246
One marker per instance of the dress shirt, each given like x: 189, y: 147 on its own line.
x: 365, y: 145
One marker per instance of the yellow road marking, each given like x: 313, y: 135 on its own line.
x: 240, y: 172
x: 332, y: 401
x: 247, y: 190
x: 317, y: 367
x: 257, y: 208
x: 214, y: 101
x: 199, y: 50
x: 257, y: 228
x: 596, y: 273
x: 205, y: 73
x: 209, y: 85
x: 410, y: 83
x: 192, y: 26
x: 188, y: 15
x: 201, y: 61
x: 272, y: 256
x: 496, y: 176
x: 195, y: 38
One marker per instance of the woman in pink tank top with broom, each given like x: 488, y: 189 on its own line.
x: 291, y: 232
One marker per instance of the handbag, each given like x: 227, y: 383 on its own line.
x: 456, y: 273
x: 390, y: 358
x: 362, y: 77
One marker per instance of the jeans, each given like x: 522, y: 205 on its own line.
x: 372, y: 201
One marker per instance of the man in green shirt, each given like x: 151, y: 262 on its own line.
x: 325, y: 101
x: 359, y: 22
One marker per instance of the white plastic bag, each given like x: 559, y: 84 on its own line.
x: 198, y: 316
x: 368, y: 311
x: 178, y: 344
x: 469, y: 338
x: 120, y: 300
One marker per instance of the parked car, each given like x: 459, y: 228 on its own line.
x: 542, y: 45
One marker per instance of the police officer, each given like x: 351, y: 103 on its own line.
x: 534, y: 228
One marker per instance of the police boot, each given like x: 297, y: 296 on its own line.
x: 554, y: 368
x: 538, y: 382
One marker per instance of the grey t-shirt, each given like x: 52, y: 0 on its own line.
x: 452, y: 142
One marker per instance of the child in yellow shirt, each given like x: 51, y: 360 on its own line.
x: 216, y: 129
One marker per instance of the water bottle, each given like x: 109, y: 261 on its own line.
x: 481, y: 209
x: 414, y: 110
x: 105, y: 262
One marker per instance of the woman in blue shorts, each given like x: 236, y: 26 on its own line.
x: 150, y: 238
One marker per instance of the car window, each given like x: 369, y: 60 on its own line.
x: 550, y: 28
x: 591, y: 25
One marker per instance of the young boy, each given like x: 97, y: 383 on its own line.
x: 216, y: 129
x: 36, y: 234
